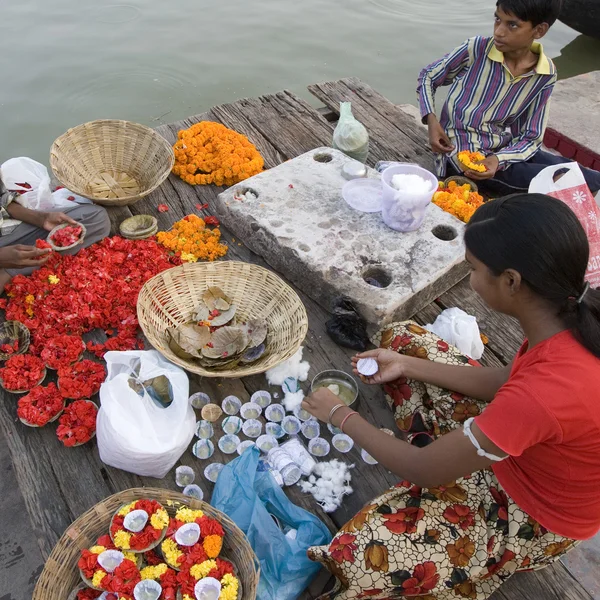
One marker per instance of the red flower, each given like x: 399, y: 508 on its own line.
x: 104, y: 540
x: 123, y: 579
x: 81, y: 380
x: 78, y: 423
x: 162, y: 208
x: 201, y: 206
x: 425, y: 578
x: 71, y: 198
x: 223, y: 568
x: 88, y: 594
x: 12, y: 347
x: 152, y: 558
x: 87, y: 563
x: 212, y: 221
x: 22, y: 372
x: 66, y: 236
x: 42, y: 244
x: 342, y: 548
x: 62, y: 350
x: 41, y: 405
x: 460, y: 515
x: 404, y: 520
x: 210, y: 526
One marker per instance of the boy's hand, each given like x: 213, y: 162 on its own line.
x: 440, y: 143
x: 491, y: 163
x: 18, y: 256
x: 53, y: 219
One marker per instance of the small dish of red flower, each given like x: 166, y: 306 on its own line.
x: 64, y: 237
x: 149, y: 536
x: 62, y: 350
x: 41, y: 406
x: 80, y: 380
x: 77, y: 424
x: 21, y: 373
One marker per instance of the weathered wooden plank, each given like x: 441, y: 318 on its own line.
x: 395, y: 133
x: 117, y: 214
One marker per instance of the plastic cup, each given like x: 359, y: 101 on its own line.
x: 342, y: 443
x: 231, y: 405
x: 333, y: 430
x: 252, y: 428
x: 212, y: 471
x: 204, y: 430
x: 199, y: 400
x: 367, y: 458
x: 184, y: 475
x: 275, y: 429
x: 250, y: 410
x: 318, y: 447
x: 193, y: 491
x: 232, y: 425
x: 302, y: 414
x: 262, y: 398
x: 244, y: 446
x: 266, y: 443
x: 275, y: 413
x: 310, y: 429
x: 291, y: 425
x: 203, y: 449
x: 228, y: 444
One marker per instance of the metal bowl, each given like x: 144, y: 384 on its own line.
x: 340, y: 378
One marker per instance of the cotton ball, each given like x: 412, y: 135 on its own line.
x: 293, y: 367
x: 293, y: 400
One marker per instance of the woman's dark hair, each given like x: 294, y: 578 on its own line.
x: 534, y: 11
x: 542, y: 239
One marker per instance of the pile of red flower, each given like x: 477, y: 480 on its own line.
x: 22, y: 372
x: 97, y: 289
x: 66, y: 236
x: 77, y: 424
x: 10, y: 348
x: 80, y: 380
x: 62, y: 351
x: 41, y: 405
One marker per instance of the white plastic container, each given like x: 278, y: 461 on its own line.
x: 401, y: 210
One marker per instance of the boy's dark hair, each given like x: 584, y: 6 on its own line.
x: 542, y: 239
x: 534, y: 11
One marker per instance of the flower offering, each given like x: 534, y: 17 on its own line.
x: 81, y: 380
x: 458, y: 200
x: 22, y: 372
x: 41, y: 406
x: 77, y: 425
x: 126, y: 533
x: 472, y: 160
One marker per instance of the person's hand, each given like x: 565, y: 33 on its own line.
x: 439, y: 141
x: 52, y: 219
x: 391, y: 366
x: 320, y: 403
x: 19, y: 256
x: 491, y: 164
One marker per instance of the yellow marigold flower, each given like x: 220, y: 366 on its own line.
x: 97, y: 549
x: 29, y: 299
x: 212, y: 545
x: 229, y: 589
x: 97, y: 578
x: 187, y: 515
x: 121, y: 540
x: 154, y: 572
x: 127, y: 509
x: 471, y: 160
x: 187, y: 597
x: 160, y: 519
x: 132, y: 556
x: 188, y: 257
x: 53, y: 279
x: 203, y: 569
x: 170, y: 551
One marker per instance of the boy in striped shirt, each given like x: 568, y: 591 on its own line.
x: 498, y: 98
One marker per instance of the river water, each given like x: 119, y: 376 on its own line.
x: 65, y: 62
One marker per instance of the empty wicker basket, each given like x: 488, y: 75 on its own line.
x: 169, y: 300
x: 113, y: 163
x: 61, y: 575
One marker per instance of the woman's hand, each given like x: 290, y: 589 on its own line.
x: 52, y: 219
x: 19, y: 256
x: 392, y: 366
x: 320, y: 403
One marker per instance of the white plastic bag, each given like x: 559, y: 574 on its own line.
x: 350, y: 136
x: 134, y: 431
x: 18, y: 171
x: 459, y: 329
x: 572, y: 189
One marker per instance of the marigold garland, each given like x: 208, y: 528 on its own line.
x: 158, y: 520
x: 472, y: 160
x: 208, y: 153
x: 458, y: 200
x: 193, y: 240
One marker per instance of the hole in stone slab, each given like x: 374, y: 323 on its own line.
x: 444, y: 233
x: 255, y: 227
x: 249, y: 193
x: 323, y: 157
x: 377, y: 277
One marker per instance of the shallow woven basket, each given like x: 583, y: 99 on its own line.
x: 460, y: 180
x: 113, y: 163
x: 60, y: 575
x: 11, y: 331
x: 63, y: 248
x: 138, y: 227
x: 169, y: 300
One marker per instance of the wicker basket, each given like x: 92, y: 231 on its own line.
x: 79, y: 241
x: 169, y: 299
x: 138, y: 227
x: 60, y: 575
x: 460, y: 180
x: 114, y: 163
x: 11, y: 331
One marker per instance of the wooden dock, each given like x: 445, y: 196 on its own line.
x: 58, y: 484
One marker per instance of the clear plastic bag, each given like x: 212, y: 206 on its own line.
x: 350, y: 136
x: 252, y: 499
x: 460, y: 329
x: 145, y: 422
x: 30, y: 177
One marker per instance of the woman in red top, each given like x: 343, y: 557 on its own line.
x: 520, y: 445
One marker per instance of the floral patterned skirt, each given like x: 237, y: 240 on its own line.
x: 459, y: 540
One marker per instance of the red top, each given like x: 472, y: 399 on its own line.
x: 546, y: 417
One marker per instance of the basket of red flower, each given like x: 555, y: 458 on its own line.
x: 66, y: 236
x: 77, y: 425
x: 80, y: 380
x: 62, y: 350
x: 236, y: 565
x: 14, y: 339
x: 21, y: 373
x: 41, y: 406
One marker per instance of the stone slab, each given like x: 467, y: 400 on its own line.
x: 300, y: 224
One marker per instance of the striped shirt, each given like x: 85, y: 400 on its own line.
x: 488, y: 109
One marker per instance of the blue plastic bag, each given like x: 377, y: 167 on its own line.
x: 251, y: 498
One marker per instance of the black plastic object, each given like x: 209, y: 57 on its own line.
x: 346, y: 327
